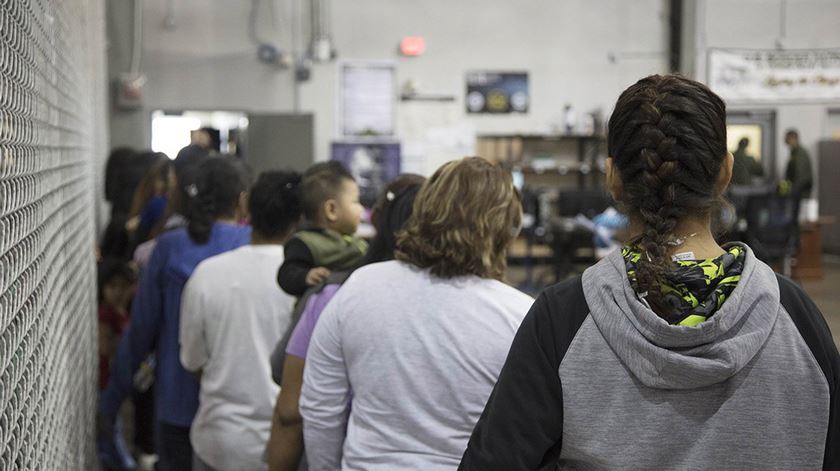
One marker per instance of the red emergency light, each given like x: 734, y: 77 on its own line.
x: 413, y: 46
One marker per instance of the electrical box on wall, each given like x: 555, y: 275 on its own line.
x: 129, y: 91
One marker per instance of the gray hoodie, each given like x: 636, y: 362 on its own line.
x: 595, y: 380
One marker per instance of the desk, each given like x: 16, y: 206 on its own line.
x: 809, y: 259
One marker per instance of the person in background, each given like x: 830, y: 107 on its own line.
x: 150, y: 200
x: 123, y: 173
x: 115, y: 243
x: 799, y: 177
x: 129, y: 172
x: 184, y: 166
x: 190, y: 156
x: 207, y: 137
x: 117, y: 281
x: 232, y: 315
x: 674, y: 352
x: 745, y: 166
x: 216, y: 200
x: 183, y: 171
x: 119, y: 160
x: 422, y: 338
x: 331, y: 206
x: 285, y: 449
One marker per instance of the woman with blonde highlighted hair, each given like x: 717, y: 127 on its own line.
x: 421, y: 339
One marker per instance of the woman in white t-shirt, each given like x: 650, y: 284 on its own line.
x: 232, y: 315
x: 421, y: 339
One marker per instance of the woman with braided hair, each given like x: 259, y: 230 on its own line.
x: 674, y: 352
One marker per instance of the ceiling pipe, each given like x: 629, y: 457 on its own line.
x: 321, y: 48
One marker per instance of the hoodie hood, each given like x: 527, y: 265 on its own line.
x: 665, y: 356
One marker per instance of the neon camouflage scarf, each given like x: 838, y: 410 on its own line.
x: 694, y: 289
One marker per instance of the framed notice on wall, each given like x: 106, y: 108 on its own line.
x: 752, y: 75
x: 367, y: 105
x: 497, y: 92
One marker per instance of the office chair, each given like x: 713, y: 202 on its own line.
x: 773, y: 228
x: 571, y: 244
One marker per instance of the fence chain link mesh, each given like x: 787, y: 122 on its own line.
x: 47, y: 274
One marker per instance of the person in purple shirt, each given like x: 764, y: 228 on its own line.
x: 216, y: 203
x: 285, y: 447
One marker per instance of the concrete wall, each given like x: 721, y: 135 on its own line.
x: 95, y: 29
x: 205, y: 61
x: 208, y: 62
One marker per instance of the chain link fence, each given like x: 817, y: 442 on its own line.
x: 50, y: 64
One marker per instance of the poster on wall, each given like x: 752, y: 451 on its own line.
x: 497, y: 92
x: 372, y: 164
x: 367, y: 99
x: 775, y: 76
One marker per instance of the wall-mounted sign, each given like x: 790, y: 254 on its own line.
x: 775, y: 76
x: 497, y: 92
x: 367, y: 99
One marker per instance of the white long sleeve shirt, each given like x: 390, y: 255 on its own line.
x: 232, y: 315
x: 422, y: 355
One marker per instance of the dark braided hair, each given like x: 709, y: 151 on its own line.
x: 667, y: 138
x: 213, y: 193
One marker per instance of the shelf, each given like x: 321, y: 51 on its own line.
x: 428, y: 97
x: 548, y: 155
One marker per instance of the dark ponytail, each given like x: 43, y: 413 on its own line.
x: 274, y: 204
x: 392, y: 210
x: 212, y: 193
x: 667, y: 138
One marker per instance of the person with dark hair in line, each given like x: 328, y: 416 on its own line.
x: 745, y: 167
x: 124, y: 171
x: 391, y: 211
x: 190, y: 156
x: 418, y: 341
x: 216, y: 201
x: 148, y: 206
x: 181, y: 176
x: 232, y: 315
x: 116, y: 284
x: 799, y: 177
x: 674, y: 352
x: 118, y: 160
x: 330, y: 198
x: 174, y: 215
x: 115, y: 243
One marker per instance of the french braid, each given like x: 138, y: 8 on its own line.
x: 667, y: 138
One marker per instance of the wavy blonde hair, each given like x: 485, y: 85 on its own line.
x: 463, y: 220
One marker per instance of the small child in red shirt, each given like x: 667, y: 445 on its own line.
x: 117, y: 283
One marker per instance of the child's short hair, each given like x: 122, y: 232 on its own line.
x: 321, y: 182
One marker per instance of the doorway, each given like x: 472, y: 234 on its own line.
x: 759, y: 126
